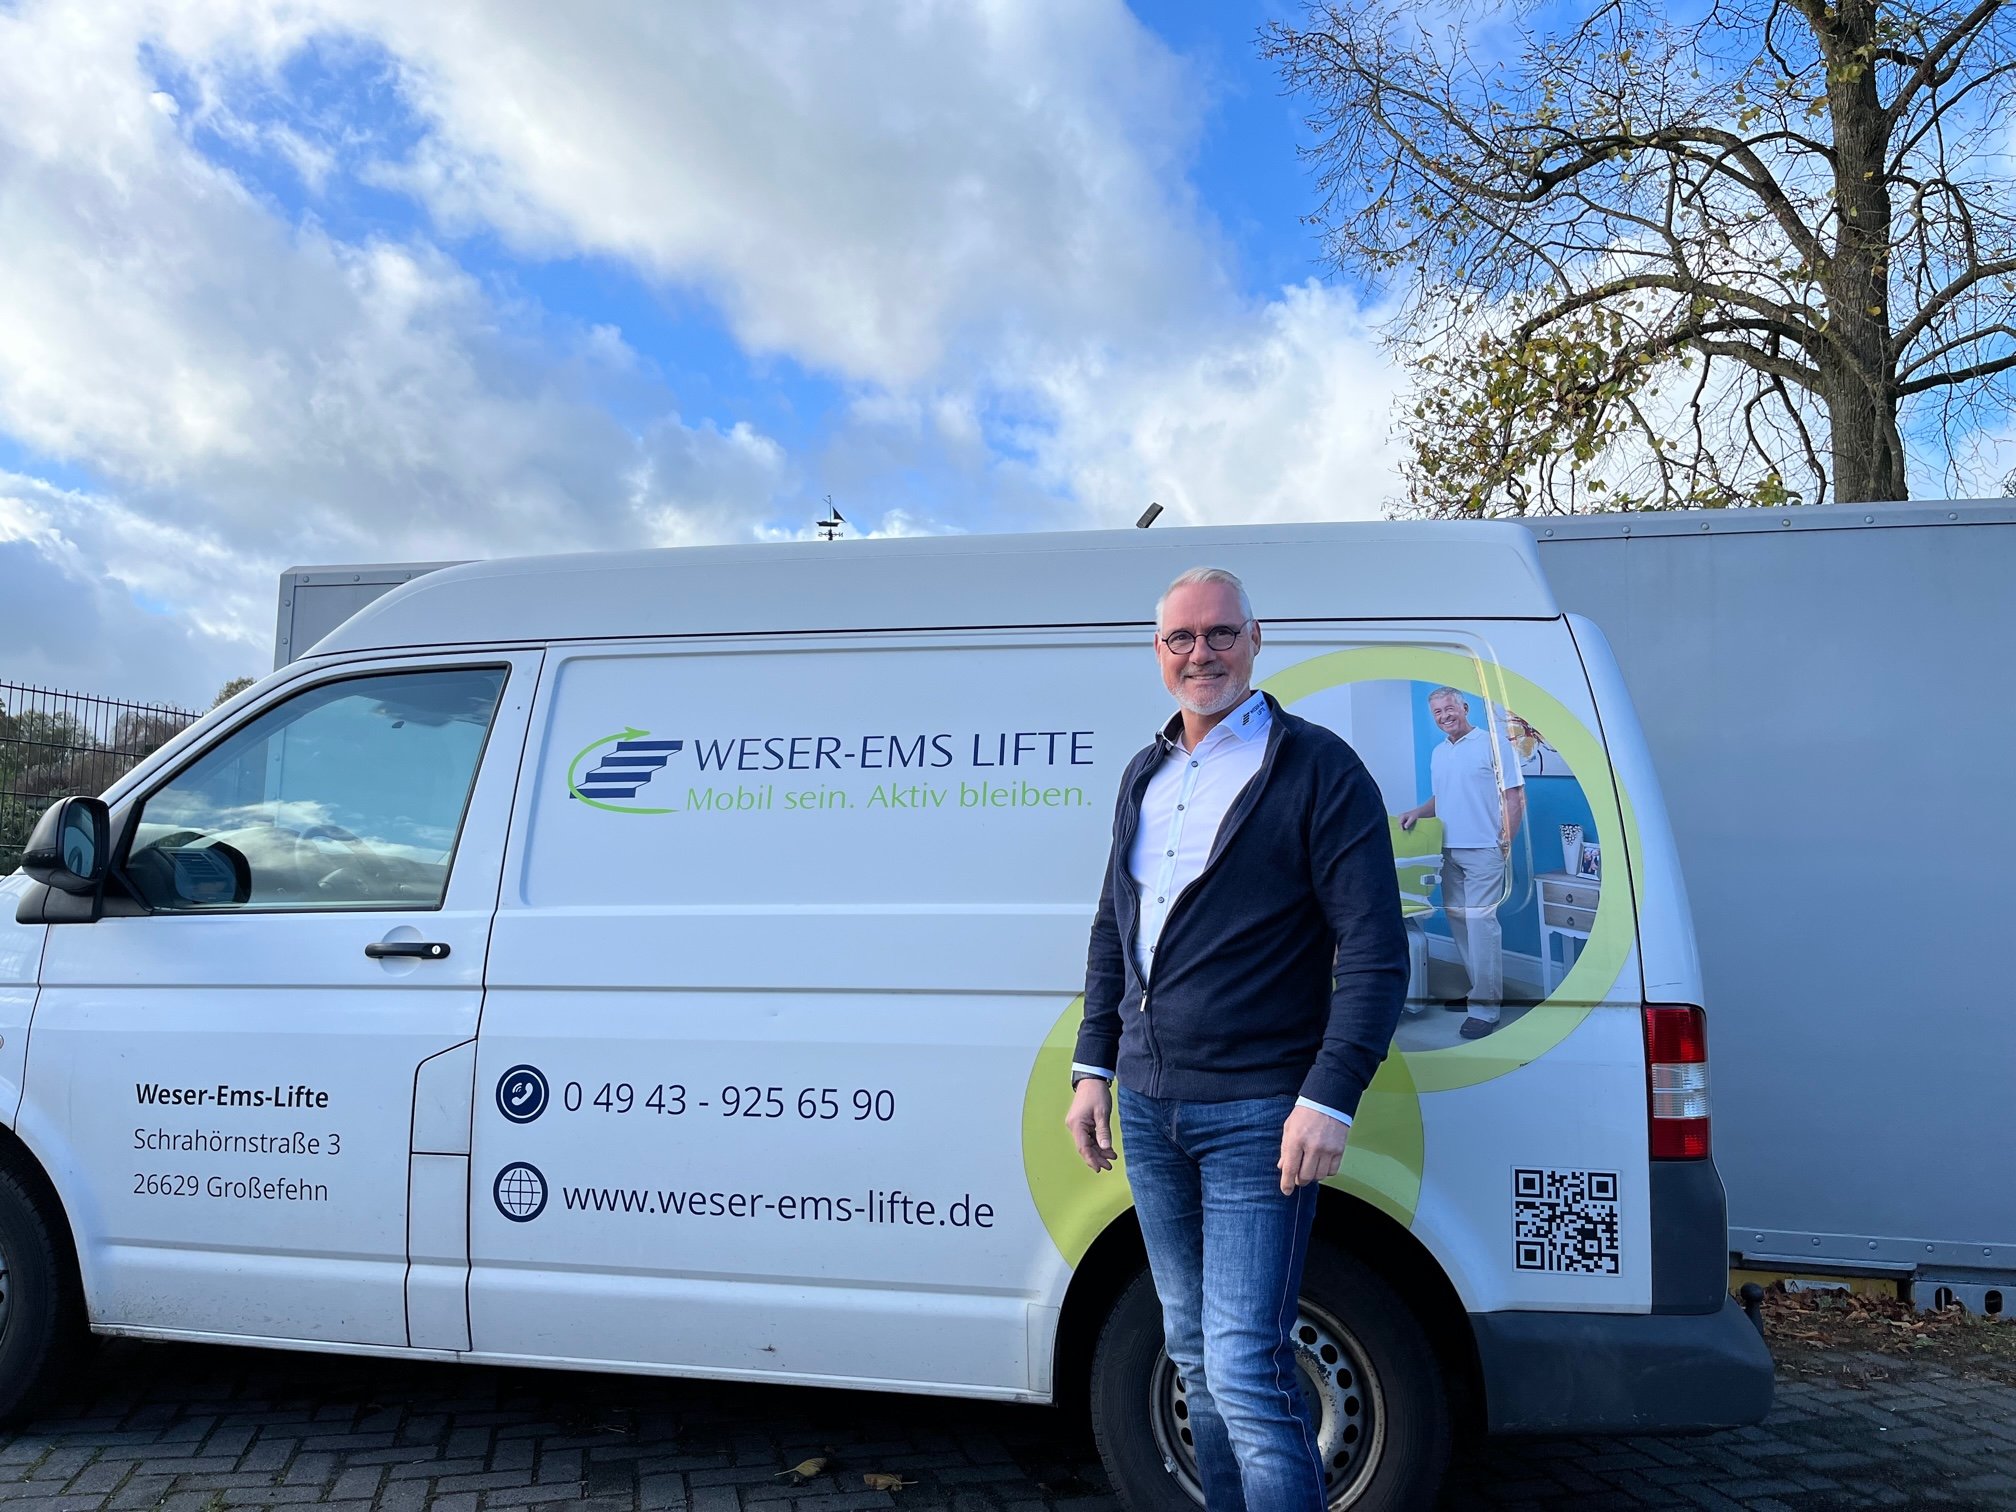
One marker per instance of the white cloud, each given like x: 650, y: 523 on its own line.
x: 87, y: 587
x: 1280, y: 415
x: 694, y: 486
x: 878, y: 190
x: 960, y: 206
x: 158, y: 322
x: 253, y: 392
x: 973, y: 214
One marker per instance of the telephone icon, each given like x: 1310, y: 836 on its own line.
x: 522, y: 1094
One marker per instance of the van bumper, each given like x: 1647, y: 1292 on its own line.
x: 1560, y: 1372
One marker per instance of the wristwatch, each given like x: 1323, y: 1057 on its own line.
x: 1078, y: 1076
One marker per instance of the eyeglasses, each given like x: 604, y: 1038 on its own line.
x: 1218, y: 638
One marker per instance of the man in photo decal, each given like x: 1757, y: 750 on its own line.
x: 1479, y: 793
x: 1246, y: 971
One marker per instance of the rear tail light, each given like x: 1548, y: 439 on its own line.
x: 1676, y: 1074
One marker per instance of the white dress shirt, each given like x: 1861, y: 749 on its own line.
x: 1467, y: 777
x: 1185, y: 803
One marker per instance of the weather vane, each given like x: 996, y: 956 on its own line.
x: 829, y: 528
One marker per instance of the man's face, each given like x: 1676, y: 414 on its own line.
x: 1206, y: 681
x: 1451, y: 715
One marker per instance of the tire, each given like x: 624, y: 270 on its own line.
x: 41, y: 1316
x: 1381, y: 1406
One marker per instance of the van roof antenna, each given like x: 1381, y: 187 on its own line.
x: 1148, y: 516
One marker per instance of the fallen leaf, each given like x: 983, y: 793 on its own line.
x: 804, y: 1470
x: 875, y: 1480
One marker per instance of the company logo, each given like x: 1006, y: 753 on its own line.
x: 521, y: 1094
x: 624, y: 763
x: 519, y: 1192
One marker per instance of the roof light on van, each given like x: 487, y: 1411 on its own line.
x: 1676, y: 1076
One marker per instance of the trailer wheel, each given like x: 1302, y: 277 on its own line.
x: 41, y: 1321
x: 1374, y: 1387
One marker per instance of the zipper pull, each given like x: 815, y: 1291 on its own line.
x: 1144, y: 1004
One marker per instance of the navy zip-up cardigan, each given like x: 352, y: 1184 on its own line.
x: 1283, y: 967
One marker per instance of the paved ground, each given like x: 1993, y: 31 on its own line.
x: 205, y: 1430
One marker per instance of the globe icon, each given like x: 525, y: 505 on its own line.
x: 520, y: 1192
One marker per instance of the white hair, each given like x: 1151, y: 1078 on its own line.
x: 1446, y: 692
x: 1205, y: 575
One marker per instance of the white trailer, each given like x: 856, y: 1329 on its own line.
x: 1826, y: 693
x: 315, y: 600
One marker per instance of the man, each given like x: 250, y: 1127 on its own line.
x: 1479, y: 793
x: 1246, y: 971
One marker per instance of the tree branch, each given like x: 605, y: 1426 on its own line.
x: 1782, y: 319
x: 1805, y: 438
x: 1763, y: 362
x: 1934, y: 306
x: 1984, y: 369
x: 1932, y: 70
x: 1908, y: 143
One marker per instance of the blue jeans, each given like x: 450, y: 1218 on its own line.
x: 1226, y: 1250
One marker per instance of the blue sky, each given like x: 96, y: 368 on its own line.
x: 363, y: 280
x: 357, y: 280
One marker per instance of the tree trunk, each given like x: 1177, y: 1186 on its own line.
x: 1868, y: 448
x: 1858, y: 383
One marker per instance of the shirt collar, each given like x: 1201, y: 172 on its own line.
x: 1249, y: 721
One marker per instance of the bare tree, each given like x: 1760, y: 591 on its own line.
x: 1738, y: 259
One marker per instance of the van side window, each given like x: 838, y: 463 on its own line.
x: 350, y: 795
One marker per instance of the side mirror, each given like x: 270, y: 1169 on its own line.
x: 70, y: 846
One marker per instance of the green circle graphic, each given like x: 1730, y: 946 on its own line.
x: 1590, y: 980
x: 1384, y: 1161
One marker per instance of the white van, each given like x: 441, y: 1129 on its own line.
x: 668, y: 962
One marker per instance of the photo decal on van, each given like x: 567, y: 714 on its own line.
x: 1495, y: 844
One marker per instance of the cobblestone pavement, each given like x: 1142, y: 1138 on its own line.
x: 188, y: 1429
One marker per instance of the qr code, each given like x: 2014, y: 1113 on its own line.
x: 1566, y: 1221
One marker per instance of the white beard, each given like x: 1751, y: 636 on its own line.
x: 1235, y: 691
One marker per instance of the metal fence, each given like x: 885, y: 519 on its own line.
x: 53, y: 745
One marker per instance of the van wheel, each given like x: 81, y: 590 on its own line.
x: 1371, y: 1379
x: 41, y: 1322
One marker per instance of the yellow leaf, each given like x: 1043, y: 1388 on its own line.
x: 875, y: 1480
x: 804, y: 1470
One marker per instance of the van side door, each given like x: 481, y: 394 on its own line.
x: 782, y: 936
x: 223, y: 1072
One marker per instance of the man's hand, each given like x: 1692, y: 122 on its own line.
x: 1406, y: 823
x: 1091, y: 1123
x: 1312, y: 1147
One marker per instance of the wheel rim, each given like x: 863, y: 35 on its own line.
x: 1346, y: 1403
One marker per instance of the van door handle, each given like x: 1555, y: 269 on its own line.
x: 425, y: 950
